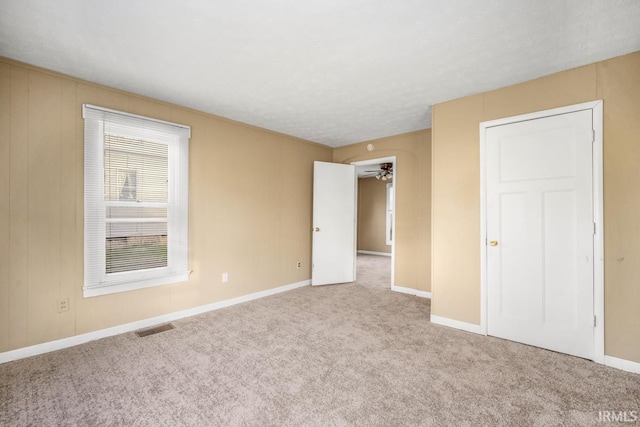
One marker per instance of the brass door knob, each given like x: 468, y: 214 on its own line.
x: 493, y: 243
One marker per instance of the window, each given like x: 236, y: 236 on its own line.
x: 389, y: 228
x: 135, y: 202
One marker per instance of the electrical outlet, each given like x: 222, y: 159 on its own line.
x: 225, y: 277
x: 299, y: 264
x: 63, y: 305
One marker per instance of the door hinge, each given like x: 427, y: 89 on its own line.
x: 593, y: 135
x: 594, y: 228
x: 594, y: 321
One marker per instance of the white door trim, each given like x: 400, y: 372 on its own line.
x: 598, y: 273
x: 390, y: 159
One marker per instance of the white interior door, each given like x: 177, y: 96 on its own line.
x: 540, y: 232
x: 334, y: 223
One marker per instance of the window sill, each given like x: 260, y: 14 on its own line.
x: 106, y: 289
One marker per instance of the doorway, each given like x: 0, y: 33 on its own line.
x: 376, y: 230
x: 542, y: 268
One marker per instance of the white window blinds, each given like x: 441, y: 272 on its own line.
x: 136, y: 201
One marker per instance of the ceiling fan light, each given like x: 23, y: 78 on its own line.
x: 378, y: 176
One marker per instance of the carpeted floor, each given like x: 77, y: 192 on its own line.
x: 351, y: 354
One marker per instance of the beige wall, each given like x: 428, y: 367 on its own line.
x: 456, y: 189
x: 372, y: 215
x: 413, y: 190
x: 252, y: 227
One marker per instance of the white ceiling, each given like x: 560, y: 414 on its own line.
x: 330, y: 71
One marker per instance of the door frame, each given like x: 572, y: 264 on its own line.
x: 596, y: 108
x: 370, y: 162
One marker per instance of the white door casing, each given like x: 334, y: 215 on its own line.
x: 540, y: 210
x: 334, y: 223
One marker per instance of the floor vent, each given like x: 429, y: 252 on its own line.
x: 154, y: 330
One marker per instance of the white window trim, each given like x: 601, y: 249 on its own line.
x: 96, y: 280
x: 389, y: 215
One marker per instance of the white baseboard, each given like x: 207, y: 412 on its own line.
x: 623, y: 364
x: 457, y: 324
x: 614, y: 362
x: 411, y: 291
x: 21, y: 353
x: 374, y: 253
x: 34, y: 350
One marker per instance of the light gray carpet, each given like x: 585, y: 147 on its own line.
x: 351, y: 354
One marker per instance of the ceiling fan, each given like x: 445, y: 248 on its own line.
x: 384, y: 173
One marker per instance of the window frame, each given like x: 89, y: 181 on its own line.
x: 99, y: 121
x: 389, y: 214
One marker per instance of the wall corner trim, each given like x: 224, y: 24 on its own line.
x: 60, y: 344
x: 411, y: 291
x: 623, y: 364
x: 457, y: 324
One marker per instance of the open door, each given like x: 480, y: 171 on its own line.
x: 334, y: 223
